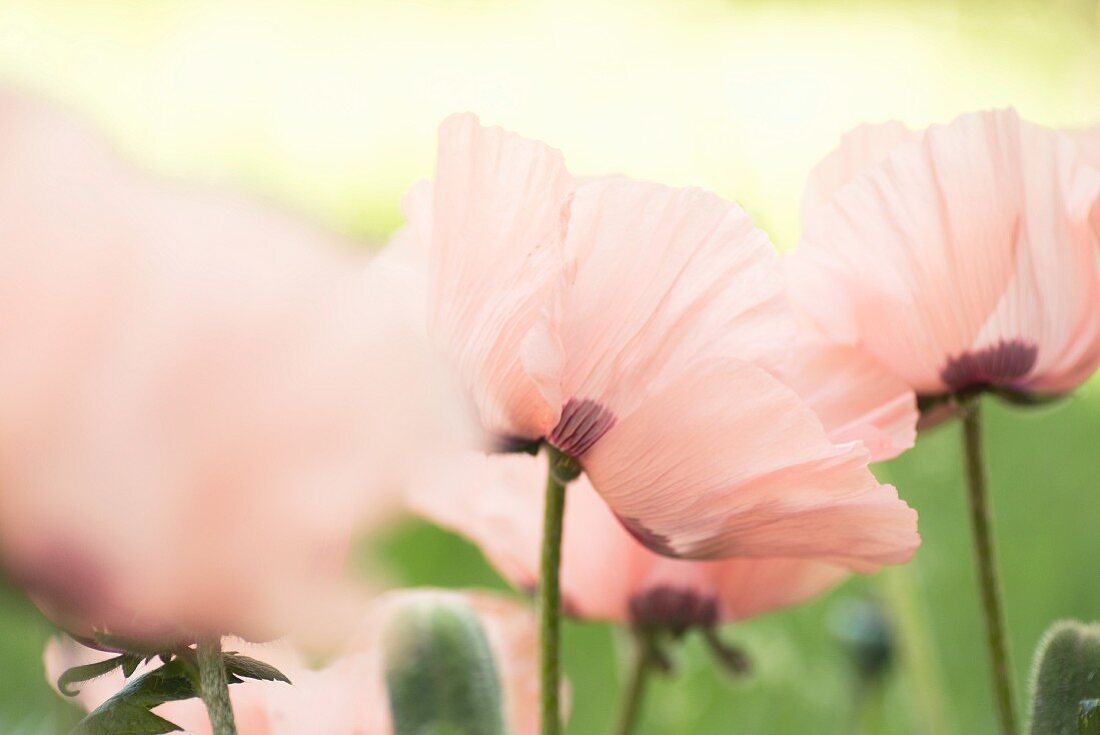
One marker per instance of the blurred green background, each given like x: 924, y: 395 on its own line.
x: 330, y: 108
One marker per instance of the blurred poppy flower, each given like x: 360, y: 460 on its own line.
x: 200, y: 401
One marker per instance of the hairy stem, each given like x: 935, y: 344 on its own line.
x: 981, y: 523
x: 214, y: 686
x: 549, y: 604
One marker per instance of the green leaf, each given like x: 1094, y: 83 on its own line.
x: 78, y: 674
x: 126, y: 720
x: 1066, y: 670
x: 128, y: 711
x: 238, y: 668
x: 130, y: 663
x: 440, y: 674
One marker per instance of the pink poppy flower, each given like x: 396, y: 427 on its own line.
x: 199, y: 400
x: 634, y: 327
x: 345, y: 696
x: 960, y: 257
x: 607, y: 574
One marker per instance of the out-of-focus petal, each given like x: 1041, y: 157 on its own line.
x: 728, y: 461
x: 971, y: 241
x: 1088, y: 142
x: 495, y: 500
x: 497, y: 224
x: 200, y: 402
x: 400, y: 269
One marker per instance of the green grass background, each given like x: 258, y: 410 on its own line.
x: 330, y: 108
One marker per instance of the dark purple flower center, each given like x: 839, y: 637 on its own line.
x: 514, y: 445
x: 650, y: 539
x: 582, y: 424
x: 673, y: 608
x: 998, y: 366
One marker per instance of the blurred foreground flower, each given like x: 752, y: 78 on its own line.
x: 200, y: 402
x: 348, y: 695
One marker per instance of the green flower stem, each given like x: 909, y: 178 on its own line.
x: 214, y: 686
x: 982, y: 524
x: 549, y: 601
x: 634, y: 693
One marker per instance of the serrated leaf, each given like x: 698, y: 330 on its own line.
x: 78, y: 674
x: 128, y: 711
x: 126, y: 719
x: 240, y: 667
x: 130, y: 663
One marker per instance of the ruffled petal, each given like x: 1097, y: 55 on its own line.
x: 728, y: 461
x: 660, y: 280
x: 1053, y: 296
x: 497, y: 503
x: 497, y: 226
x: 973, y: 239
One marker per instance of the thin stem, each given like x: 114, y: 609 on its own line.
x: 867, y: 704
x: 214, y: 686
x: 549, y: 603
x: 982, y: 525
x: 634, y: 693
x: 920, y: 660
